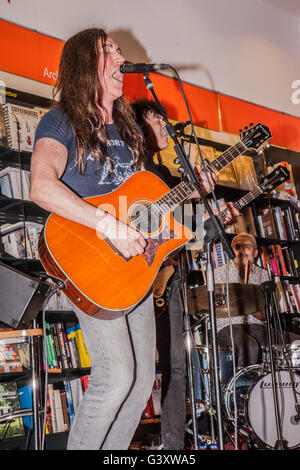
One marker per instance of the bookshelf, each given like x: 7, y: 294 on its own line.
x: 20, y: 224
x: 275, y: 223
x: 18, y: 214
x: 17, y: 210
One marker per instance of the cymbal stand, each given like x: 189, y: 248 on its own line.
x: 207, y: 385
x: 277, y: 325
x: 213, y: 326
x: 267, y: 288
x: 188, y: 342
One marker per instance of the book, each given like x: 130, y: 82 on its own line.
x: 3, y: 135
x: 266, y: 222
x: 74, y: 331
x: 15, y: 183
x: 69, y: 398
x: 9, y: 401
x: 21, y: 239
x: 58, y: 409
x: 25, y: 398
x: 20, y: 124
x: 14, y: 354
x: 61, y: 344
x: 56, y: 346
x: 245, y: 223
x: 156, y: 394
x: 52, y: 408
x: 64, y: 406
x: 51, y: 356
x: 77, y: 392
x: 85, y: 382
x: 147, y: 412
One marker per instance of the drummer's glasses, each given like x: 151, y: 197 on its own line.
x: 238, y: 246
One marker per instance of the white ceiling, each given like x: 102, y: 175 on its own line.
x: 289, y: 6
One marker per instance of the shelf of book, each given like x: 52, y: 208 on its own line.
x: 67, y: 369
x: 18, y: 209
x: 11, y: 157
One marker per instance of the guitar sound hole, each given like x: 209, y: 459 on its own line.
x: 146, y: 219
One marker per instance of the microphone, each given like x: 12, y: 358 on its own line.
x: 142, y: 68
x: 181, y: 125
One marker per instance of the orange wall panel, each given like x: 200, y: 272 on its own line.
x: 29, y: 54
x: 36, y: 56
x: 285, y: 129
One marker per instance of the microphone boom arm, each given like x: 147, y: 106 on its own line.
x: 189, y: 171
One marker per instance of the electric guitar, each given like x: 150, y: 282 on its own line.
x: 97, y: 278
x: 162, y: 285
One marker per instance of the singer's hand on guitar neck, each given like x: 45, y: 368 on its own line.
x: 128, y: 241
x: 207, y: 181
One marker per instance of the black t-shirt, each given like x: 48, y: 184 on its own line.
x: 95, y: 181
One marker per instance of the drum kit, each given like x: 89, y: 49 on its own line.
x: 260, y: 402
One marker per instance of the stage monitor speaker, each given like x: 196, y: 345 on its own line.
x: 21, y: 297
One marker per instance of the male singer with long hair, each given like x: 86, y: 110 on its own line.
x: 88, y: 144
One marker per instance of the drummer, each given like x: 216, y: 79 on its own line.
x: 249, y: 331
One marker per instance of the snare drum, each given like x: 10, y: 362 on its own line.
x: 255, y: 403
x: 202, y: 371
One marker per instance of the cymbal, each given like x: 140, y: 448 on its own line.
x: 243, y: 299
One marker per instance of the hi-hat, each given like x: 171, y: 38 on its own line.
x: 243, y: 299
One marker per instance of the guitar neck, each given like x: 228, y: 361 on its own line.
x: 183, y: 190
x: 228, y: 156
x: 242, y: 202
x: 173, y: 198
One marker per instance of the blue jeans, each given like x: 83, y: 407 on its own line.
x: 122, y: 353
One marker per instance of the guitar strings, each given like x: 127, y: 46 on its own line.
x: 248, y: 197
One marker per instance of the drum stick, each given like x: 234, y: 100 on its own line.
x: 247, y: 270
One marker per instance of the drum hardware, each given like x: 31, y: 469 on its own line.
x: 283, y: 359
x: 256, y: 405
x: 243, y: 299
x: 272, y: 312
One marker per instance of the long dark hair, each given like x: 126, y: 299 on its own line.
x: 75, y: 91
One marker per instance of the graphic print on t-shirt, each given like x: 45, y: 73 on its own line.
x: 121, y: 171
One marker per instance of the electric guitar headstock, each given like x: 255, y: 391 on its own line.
x: 274, y: 179
x: 256, y: 137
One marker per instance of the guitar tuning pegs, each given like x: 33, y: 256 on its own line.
x: 180, y: 169
x: 251, y: 124
x: 246, y: 127
x: 240, y: 130
x: 177, y: 161
x: 268, y: 145
x: 260, y: 152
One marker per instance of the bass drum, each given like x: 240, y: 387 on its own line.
x: 255, y: 403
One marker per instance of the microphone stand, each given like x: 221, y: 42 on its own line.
x: 192, y: 178
x: 267, y: 289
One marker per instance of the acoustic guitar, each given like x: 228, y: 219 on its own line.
x: 97, y: 278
